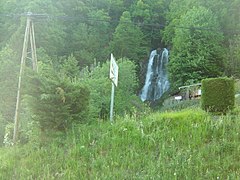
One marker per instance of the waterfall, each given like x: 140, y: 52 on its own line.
x: 156, y: 82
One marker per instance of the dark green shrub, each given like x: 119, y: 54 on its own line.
x: 217, y: 95
x: 55, y: 101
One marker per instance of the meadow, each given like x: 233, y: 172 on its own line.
x: 186, y: 144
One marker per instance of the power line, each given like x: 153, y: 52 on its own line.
x: 44, y: 17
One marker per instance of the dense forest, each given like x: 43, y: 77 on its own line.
x: 74, y: 40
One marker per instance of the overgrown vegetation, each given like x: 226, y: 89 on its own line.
x: 180, y: 145
x: 74, y: 36
x: 64, y: 130
x: 196, y: 53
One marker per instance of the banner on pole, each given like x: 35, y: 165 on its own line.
x: 113, y: 71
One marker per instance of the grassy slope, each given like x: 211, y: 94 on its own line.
x: 189, y: 144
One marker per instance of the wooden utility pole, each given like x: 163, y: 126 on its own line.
x: 33, y: 47
x: 29, y: 34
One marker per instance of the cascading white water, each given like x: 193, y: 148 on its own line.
x: 156, y: 82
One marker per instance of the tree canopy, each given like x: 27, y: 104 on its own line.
x: 196, y: 50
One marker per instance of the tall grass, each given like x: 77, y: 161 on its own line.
x: 188, y: 144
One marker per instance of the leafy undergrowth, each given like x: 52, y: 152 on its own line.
x: 188, y: 144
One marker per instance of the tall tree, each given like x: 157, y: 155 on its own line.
x: 176, y: 9
x: 128, y: 39
x: 88, y: 38
x: 141, y: 12
x: 196, y: 52
x: 230, y: 26
x: 150, y: 16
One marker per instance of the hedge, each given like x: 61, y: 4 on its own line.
x: 218, y: 95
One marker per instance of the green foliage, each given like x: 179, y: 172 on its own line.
x: 141, y: 12
x: 83, y: 28
x: 69, y: 67
x: 196, y: 52
x: 188, y: 122
x: 2, y: 129
x: 183, y: 145
x: 57, y: 101
x: 232, y: 66
x: 100, y: 88
x: 128, y: 39
x: 237, y: 86
x: 8, y: 82
x: 8, y: 88
x: 89, y: 40
x: 219, y: 29
x: 218, y: 94
x: 229, y: 16
x: 29, y: 128
x: 126, y: 99
x: 237, y: 102
x: 8, y: 135
x: 176, y: 9
x: 150, y: 16
x: 202, y: 35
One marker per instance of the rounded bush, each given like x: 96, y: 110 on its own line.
x: 218, y: 95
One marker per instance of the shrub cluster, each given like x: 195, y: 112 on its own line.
x: 57, y: 101
x: 218, y: 95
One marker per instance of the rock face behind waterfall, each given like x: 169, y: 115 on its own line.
x: 156, y: 82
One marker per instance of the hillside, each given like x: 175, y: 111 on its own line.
x: 55, y: 89
x: 188, y: 144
